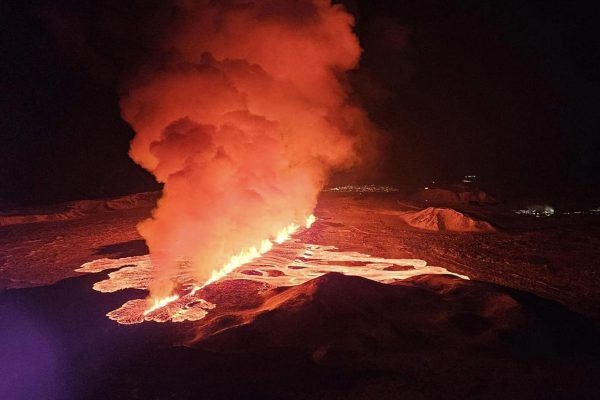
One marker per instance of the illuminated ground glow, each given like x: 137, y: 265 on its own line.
x: 288, y: 264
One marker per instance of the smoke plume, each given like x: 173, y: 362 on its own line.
x: 243, y: 114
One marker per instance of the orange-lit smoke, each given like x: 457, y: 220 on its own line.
x: 243, y: 115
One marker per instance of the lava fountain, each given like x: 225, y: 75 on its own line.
x: 242, y: 112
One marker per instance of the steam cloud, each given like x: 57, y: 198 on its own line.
x: 243, y: 115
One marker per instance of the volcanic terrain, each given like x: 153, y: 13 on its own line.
x: 387, y: 295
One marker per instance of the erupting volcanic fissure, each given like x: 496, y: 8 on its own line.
x: 242, y: 114
x: 287, y: 264
x: 234, y: 262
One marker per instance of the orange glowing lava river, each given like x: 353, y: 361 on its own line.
x: 283, y: 261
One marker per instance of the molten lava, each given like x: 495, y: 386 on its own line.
x: 289, y: 264
x: 310, y: 220
x: 236, y: 261
x: 159, y: 303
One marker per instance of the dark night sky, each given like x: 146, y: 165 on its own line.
x: 505, y: 90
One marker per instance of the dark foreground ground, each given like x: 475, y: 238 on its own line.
x: 525, y: 326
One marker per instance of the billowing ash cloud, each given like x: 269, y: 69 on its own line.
x: 243, y: 114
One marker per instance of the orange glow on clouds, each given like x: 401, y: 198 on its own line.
x: 242, y: 113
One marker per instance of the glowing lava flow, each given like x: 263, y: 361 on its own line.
x: 236, y: 261
x: 310, y: 220
x: 286, y: 232
x: 159, y: 303
x: 290, y: 264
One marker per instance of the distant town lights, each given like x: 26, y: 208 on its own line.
x: 469, y: 178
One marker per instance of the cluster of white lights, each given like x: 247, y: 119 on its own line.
x: 537, y: 211
x: 362, y: 189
